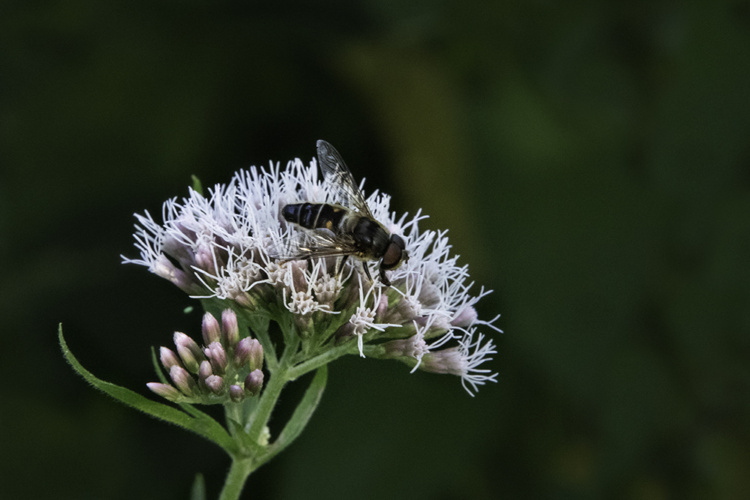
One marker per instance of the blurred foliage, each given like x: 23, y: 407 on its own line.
x: 591, y: 161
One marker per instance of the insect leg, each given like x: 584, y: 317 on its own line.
x: 340, y: 265
x: 367, y: 271
x: 383, y: 279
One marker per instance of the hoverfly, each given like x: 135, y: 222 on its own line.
x: 345, y: 228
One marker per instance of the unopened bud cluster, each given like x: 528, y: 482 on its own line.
x: 226, y: 368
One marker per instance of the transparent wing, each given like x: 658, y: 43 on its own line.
x: 322, y: 243
x: 336, y: 173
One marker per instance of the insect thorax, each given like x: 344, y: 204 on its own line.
x: 370, y: 236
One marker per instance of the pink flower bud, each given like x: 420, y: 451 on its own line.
x: 236, y: 393
x: 256, y: 355
x: 182, y: 380
x: 254, y: 383
x: 215, y: 384
x: 168, y: 358
x: 231, y: 330
x: 189, y: 351
x: 242, y: 352
x: 218, y: 356
x: 205, y: 370
x: 164, y: 390
x: 211, y: 329
x: 249, y: 351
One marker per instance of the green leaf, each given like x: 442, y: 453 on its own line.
x: 197, y: 185
x: 157, y: 367
x: 198, y: 491
x: 302, y: 413
x: 197, y: 421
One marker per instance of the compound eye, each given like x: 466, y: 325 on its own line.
x: 394, y: 254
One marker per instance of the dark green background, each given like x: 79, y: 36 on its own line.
x: 592, y: 162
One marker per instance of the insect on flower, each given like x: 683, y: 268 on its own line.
x: 347, y: 227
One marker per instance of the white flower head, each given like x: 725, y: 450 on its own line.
x: 233, y: 245
x: 303, y: 295
x: 464, y: 361
x: 363, y: 319
x: 418, y: 346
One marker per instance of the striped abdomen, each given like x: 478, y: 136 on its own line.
x: 315, y: 215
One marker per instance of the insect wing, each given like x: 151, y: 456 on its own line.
x: 324, y: 243
x: 336, y: 173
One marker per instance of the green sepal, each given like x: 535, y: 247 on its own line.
x: 195, y: 421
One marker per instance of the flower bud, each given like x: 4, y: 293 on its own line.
x: 218, y: 356
x: 210, y: 329
x: 245, y: 301
x: 305, y: 325
x: 249, y: 351
x: 242, y: 352
x: 205, y: 370
x: 236, y: 393
x: 215, y: 384
x: 253, y: 383
x: 164, y: 390
x: 256, y: 355
x: 231, y: 330
x: 189, y: 351
x: 182, y: 380
x: 168, y: 358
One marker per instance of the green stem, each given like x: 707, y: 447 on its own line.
x: 271, y: 391
x: 281, y: 372
x: 268, y: 350
x: 322, y: 359
x: 233, y: 412
x: 238, y: 474
x: 267, y: 402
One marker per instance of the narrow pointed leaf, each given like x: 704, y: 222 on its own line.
x: 302, y: 413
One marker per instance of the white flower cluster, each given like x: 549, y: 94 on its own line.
x: 233, y: 245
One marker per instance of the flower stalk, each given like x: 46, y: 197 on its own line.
x: 236, y: 477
